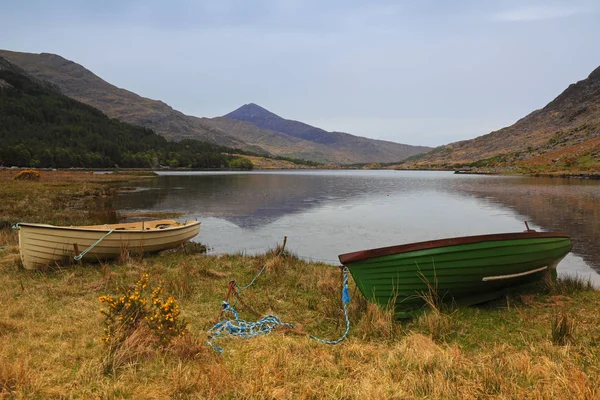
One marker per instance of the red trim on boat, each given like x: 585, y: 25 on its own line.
x: 432, y: 244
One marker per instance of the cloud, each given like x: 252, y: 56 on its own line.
x: 538, y: 13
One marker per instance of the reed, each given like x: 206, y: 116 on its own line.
x: 567, y: 284
x: 563, y: 328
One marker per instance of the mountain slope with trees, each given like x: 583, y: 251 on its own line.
x: 82, y: 85
x: 41, y: 127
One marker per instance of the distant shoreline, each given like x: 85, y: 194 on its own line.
x: 572, y: 175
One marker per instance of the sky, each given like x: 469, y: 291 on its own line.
x: 426, y: 72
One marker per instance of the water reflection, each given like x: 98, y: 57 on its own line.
x: 326, y: 213
x: 253, y: 200
x: 555, y: 204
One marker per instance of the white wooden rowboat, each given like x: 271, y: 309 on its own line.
x: 41, y: 244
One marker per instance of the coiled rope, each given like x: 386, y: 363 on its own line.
x: 245, y: 329
x: 241, y: 328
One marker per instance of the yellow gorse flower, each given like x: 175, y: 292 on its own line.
x: 134, y: 306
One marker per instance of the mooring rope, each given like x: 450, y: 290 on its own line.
x: 245, y: 329
x: 240, y: 288
x: 83, y: 253
x: 345, y: 301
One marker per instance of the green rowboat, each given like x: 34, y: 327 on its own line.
x: 466, y: 270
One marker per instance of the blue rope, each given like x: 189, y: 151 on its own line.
x: 246, y: 330
x: 240, y: 288
x: 240, y: 328
x: 16, y: 226
x: 83, y: 253
x: 345, y: 300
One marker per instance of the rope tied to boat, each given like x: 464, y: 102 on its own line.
x: 84, y: 252
x: 240, y: 288
x: 345, y: 301
x: 245, y: 329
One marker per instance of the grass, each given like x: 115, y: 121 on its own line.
x: 50, y: 330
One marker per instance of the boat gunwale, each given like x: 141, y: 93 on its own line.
x: 106, y: 229
x: 447, y: 242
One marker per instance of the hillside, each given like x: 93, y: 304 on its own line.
x: 314, y: 144
x: 41, y: 127
x: 346, y: 148
x: 562, y: 135
x: 82, y: 85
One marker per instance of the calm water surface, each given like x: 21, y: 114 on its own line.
x: 326, y: 213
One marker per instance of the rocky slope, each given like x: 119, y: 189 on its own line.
x: 565, y: 133
x: 317, y: 145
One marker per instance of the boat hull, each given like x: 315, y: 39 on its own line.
x: 42, y: 245
x: 465, y: 270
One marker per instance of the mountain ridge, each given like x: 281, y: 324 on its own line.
x: 81, y: 84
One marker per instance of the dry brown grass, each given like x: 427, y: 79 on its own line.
x: 59, y: 197
x: 377, y: 323
x: 16, y: 379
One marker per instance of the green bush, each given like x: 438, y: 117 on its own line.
x: 241, y: 163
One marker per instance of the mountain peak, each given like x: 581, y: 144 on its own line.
x: 251, y: 111
x: 595, y: 74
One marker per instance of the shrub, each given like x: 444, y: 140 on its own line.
x: 27, y: 175
x: 141, y: 305
x: 241, y: 163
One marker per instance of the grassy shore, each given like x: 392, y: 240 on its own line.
x: 544, y: 345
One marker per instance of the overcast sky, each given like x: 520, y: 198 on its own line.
x: 417, y: 72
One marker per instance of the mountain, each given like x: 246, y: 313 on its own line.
x: 563, y: 134
x: 363, y: 150
x: 41, y: 127
x: 265, y: 119
x: 296, y: 140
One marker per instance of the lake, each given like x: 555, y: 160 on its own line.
x: 325, y: 213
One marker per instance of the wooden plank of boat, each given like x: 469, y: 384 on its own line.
x: 467, y: 269
x: 42, y: 244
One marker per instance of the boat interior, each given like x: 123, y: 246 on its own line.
x: 138, y: 226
